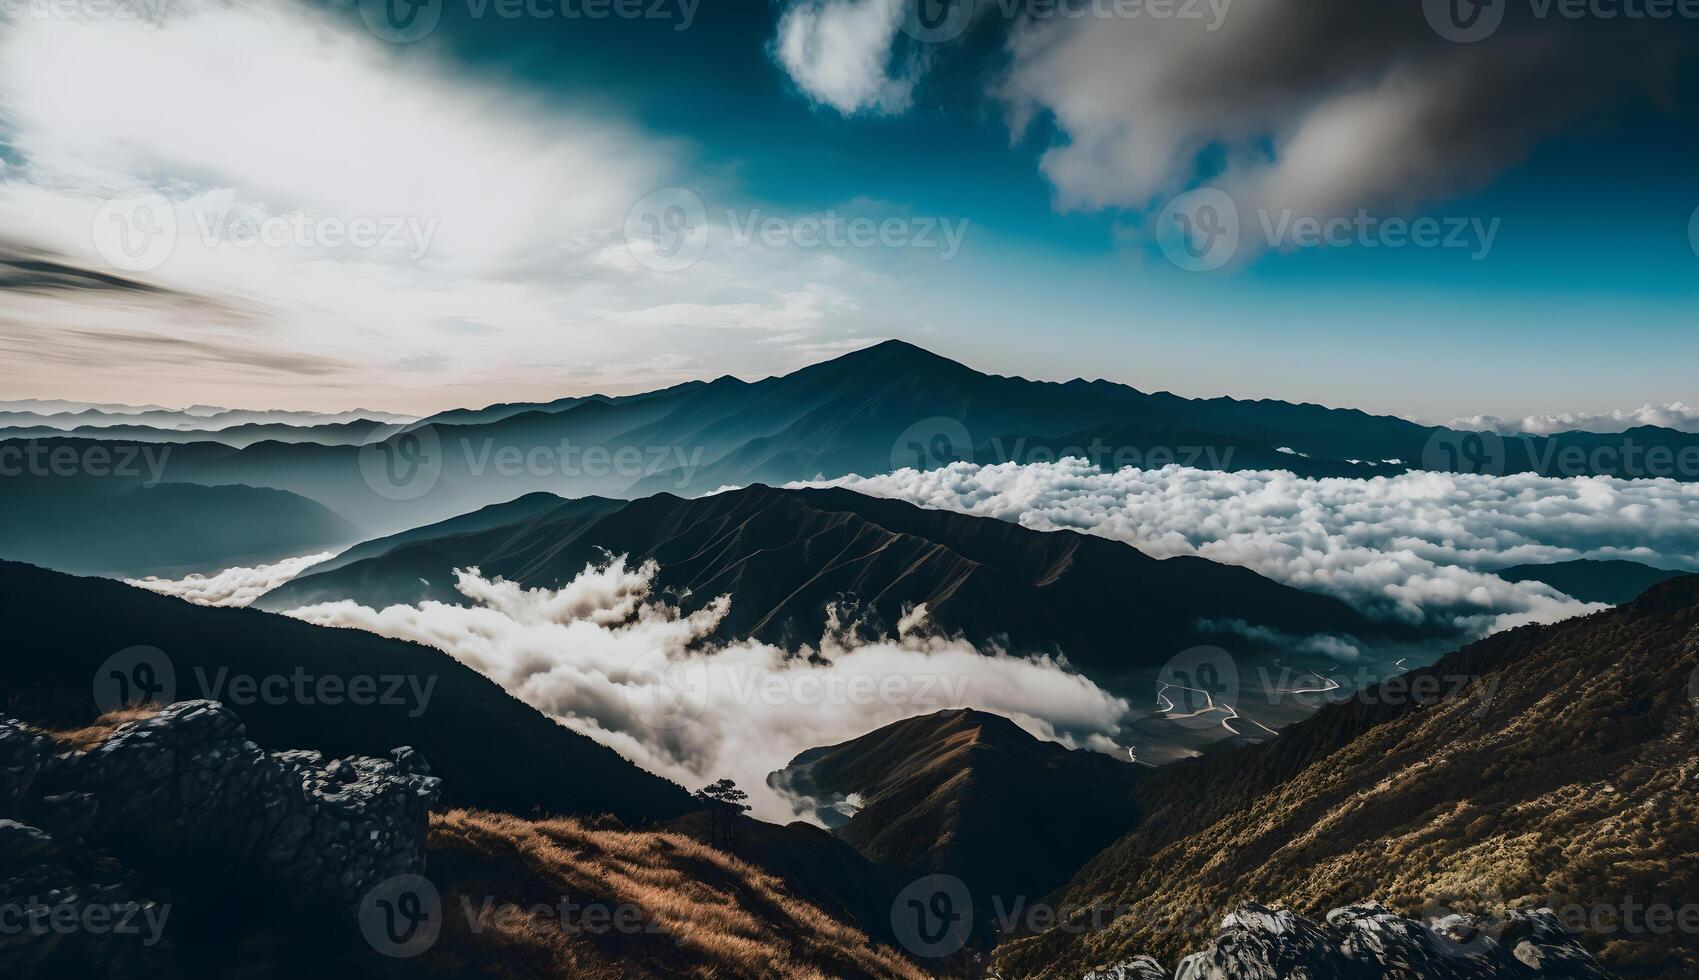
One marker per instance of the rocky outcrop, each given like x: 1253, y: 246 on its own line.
x: 1371, y: 942
x: 185, y: 782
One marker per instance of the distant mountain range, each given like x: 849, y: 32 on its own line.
x: 870, y: 411
x: 787, y: 557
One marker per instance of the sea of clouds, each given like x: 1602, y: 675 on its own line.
x: 1418, y: 548
x: 609, y: 659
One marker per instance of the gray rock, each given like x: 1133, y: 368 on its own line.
x: 188, y: 781
x: 1371, y: 942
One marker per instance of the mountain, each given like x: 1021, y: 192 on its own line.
x: 787, y: 556
x: 969, y: 794
x: 130, y: 528
x: 493, y: 751
x: 1613, y: 582
x: 872, y: 410
x: 1544, y: 766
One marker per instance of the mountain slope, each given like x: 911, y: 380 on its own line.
x: 492, y: 750
x: 965, y: 793
x: 1562, y: 776
x: 786, y: 556
x: 1615, y: 582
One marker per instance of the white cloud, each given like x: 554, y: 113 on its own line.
x: 840, y: 53
x: 1419, y: 548
x: 1673, y: 415
x: 262, y: 111
x: 237, y: 586
x: 610, y: 660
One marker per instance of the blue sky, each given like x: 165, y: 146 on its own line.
x: 1057, y: 157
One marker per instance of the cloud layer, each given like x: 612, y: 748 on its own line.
x: 237, y: 586
x: 1417, y: 548
x: 612, y: 661
x: 1673, y: 415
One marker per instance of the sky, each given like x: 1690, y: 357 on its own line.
x: 411, y: 206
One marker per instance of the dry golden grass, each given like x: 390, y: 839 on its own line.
x: 95, y: 732
x: 687, y: 910
x: 1572, y: 787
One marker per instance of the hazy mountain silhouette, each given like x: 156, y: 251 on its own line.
x: 1615, y: 582
x: 872, y: 410
x: 103, y: 526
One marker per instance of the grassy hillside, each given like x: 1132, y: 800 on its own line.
x: 1564, y: 777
